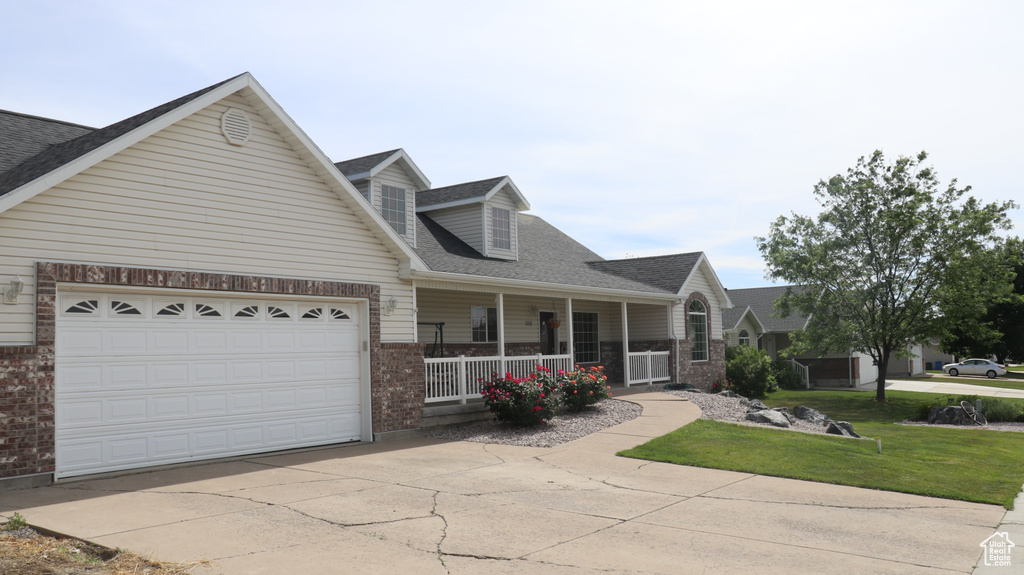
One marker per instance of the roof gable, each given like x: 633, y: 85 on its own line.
x: 761, y: 302
x: 670, y: 273
x: 469, y: 193
x: 369, y: 166
x: 60, y: 162
x: 733, y: 317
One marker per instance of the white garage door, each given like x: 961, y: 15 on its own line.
x: 153, y: 379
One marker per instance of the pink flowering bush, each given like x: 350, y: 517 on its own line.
x: 720, y: 384
x: 583, y: 387
x: 522, y: 401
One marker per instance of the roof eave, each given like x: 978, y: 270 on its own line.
x: 615, y: 294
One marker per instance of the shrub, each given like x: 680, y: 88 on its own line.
x: 749, y: 371
x: 583, y: 387
x: 521, y: 401
x: 787, y: 375
x: 996, y: 410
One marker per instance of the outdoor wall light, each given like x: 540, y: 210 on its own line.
x: 11, y: 294
x: 390, y: 307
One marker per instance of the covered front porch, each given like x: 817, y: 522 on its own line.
x: 471, y: 335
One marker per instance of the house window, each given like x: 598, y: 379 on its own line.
x: 585, y: 341
x: 484, y: 321
x: 392, y: 207
x: 744, y: 337
x: 698, y: 331
x: 501, y: 229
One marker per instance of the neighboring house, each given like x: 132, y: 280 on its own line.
x: 753, y: 319
x: 200, y: 281
x: 933, y: 357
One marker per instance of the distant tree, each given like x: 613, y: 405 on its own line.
x: 889, y: 260
x: 1001, y: 329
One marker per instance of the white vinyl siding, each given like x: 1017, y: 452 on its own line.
x: 465, y: 222
x: 185, y: 199
x: 648, y: 322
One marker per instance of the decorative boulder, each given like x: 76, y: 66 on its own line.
x: 757, y: 405
x: 785, y: 411
x: 768, y: 416
x: 810, y: 414
x: 952, y: 415
x: 728, y: 393
x: 841, y: 428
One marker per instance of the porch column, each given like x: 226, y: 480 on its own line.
x: 625, y: 345
x: 501, y: 331
x: 570, y: 343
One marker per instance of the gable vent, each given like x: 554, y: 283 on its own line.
x: 236, y: 126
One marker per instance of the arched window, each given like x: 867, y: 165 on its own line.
x: 744, y: 337
x: 698, y: 331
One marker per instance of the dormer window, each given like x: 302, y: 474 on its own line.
x: 501, y: 234
x: 393, y: 207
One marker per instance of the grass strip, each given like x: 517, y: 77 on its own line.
x: 967, y: 464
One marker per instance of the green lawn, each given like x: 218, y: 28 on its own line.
x: 968, y: 464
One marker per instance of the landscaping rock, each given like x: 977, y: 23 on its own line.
x: 951, y: 415
x: 809, y: 414
x: 785, y: 411
x: 757, y: 405
x: 768, y: 416
x: 728, y: 393
x: 841, y: 428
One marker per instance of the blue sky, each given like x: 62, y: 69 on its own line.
x: 641, y: 129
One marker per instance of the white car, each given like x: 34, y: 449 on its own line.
x: 984, y: 367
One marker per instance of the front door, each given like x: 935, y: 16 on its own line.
x: 548, y: 334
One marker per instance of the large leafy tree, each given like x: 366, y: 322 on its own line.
x: 1001, y: 329
x: 892, y: 256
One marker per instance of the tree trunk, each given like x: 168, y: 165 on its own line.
x: 883, y: 366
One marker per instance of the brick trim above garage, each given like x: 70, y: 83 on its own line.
x: 27, y: 417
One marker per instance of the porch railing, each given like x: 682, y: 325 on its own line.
x: 649, y: 367
x: 805, y: 372
x: 459, y: 378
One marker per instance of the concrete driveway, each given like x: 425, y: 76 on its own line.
x: 432, y: 507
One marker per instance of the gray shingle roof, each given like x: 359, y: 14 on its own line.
x: 545, y: 255
x: 466, y: 191
x: 667, y: 273
x: 23, y: 136
x: 56, y: 155
x: 364, y: 163
x: 762, y: 303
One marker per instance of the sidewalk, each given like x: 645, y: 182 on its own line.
x: 926, y: 386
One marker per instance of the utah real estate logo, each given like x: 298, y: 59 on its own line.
x: 997, y: 549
